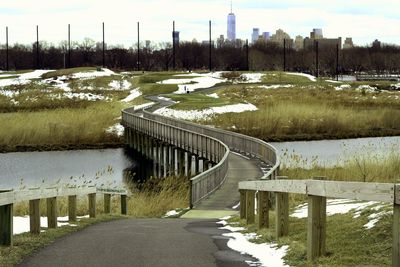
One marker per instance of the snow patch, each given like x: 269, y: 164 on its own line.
x: 367, y: 88
x: 85, y: 96
x: 21, y: 224
x: 276, y: 86
x: 251, y: 78
x: 214, y: 95
x: 309, y: 76
x: 143, y: 106
x: 268, y: 254
x: 133, y: 94
x: 343, y: 87
x: 23, y: 78
x: 120, y: 85
x: 206, y: 113
x: 92, y: 74
x: 203, y: 80
x: 116, y: 129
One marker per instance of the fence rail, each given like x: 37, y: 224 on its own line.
x: 200, y: 144
x: 9, y: 197
x: 235, y: 141
x: 317, y: 192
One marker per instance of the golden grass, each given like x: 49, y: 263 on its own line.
x: 59, y: 126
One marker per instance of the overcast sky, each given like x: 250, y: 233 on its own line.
x: 364, y: 20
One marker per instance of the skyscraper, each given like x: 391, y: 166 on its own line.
x: 255, y: 35
x: 231, y: 35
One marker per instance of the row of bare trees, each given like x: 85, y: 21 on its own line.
x: 194, y: 55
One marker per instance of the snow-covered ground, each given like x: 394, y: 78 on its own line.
x: 251, y: 77
x: 275, y: 86
x: 85, y: 96
x: 21, y: 223
x: 23, y: 78
x: 343, y: 206
x: 268, y: 254
x: 214, y: 95
x: 206, y: 113
x: 116, y: 129
x: 120, y: 85
x: 133, y: 94
x: 309, y: 76
x: 201, y: 80
x: 93, y: 74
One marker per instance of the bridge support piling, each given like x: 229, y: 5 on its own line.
x: 51, y: 212
x: 72, y: 208
x: 34, y: 216
x: 166, y: 160
x: 181, y: 162
x: 189, y: 164
x: 196, y: 165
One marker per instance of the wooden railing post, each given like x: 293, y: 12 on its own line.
x: 107, y: 203
x: 250, y: 199
x: 123, y: 205
x: 263, y: 209
x: 92, y: 205
x: 6, y: 225
x: 316, y: 232
x: 34, y: 216
x: 51, y: 212
x: 282, y: 212
x: 71, y: 208
x: 396, y: 228
x: 242, y: 203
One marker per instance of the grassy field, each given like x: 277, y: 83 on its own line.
x: 304, y: 113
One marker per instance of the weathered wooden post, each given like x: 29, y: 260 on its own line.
x: 123, y: 205
x: 282, y: 212
x: 6, y: 224
x: 263, y: 209
x: 92, y: 205
x: 250, y: 201
x: 107, y: 203
x: 196, y: 165
x: 51, y: 212
x: 242, y: 203
x: 396, y: 228
x: 34, y: 216
x: 189, y: 164
x: 72, y: 208
x: 316, y: 232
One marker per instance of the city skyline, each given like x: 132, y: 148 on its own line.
x: 364, y: 21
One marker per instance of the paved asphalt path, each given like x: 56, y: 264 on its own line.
x: 156, y: 242
x: 142, y: 242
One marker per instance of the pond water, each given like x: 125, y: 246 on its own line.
x: 329, y: 153
x: 108, y: 167
x: 104, y: 167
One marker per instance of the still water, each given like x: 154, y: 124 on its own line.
x: 104, y: 167
x: 329, y: 153
x: 107, y: 167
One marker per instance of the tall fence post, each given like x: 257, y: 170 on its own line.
x: 6, y: 225
x: 263, y: 209
x: 34, y: 216
x: 51, y: 212
x: 316, y: 232
x: 282, y: 212
x: 250, y: 199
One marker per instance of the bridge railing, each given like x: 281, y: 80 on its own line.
x: 317, y: 192
x: 200, y: 144
x: 9, y: 197
x: 235, y: 141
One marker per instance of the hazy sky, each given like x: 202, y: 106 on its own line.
x: 364, y: 20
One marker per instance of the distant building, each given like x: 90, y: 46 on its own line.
x: 299, y: 42
x: 255, y: 35
x: 175, y: 37
x: 266, y: 36
x: 279, y: 36
x: 147, y: 42
x: 323, y: 43
x: 316, y: 34
x: 220, y: 41
x: 231, y: 33
x: 348, y: 43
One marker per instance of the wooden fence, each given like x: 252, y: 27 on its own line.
x: 317, y: 192
x: 9, y: 197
